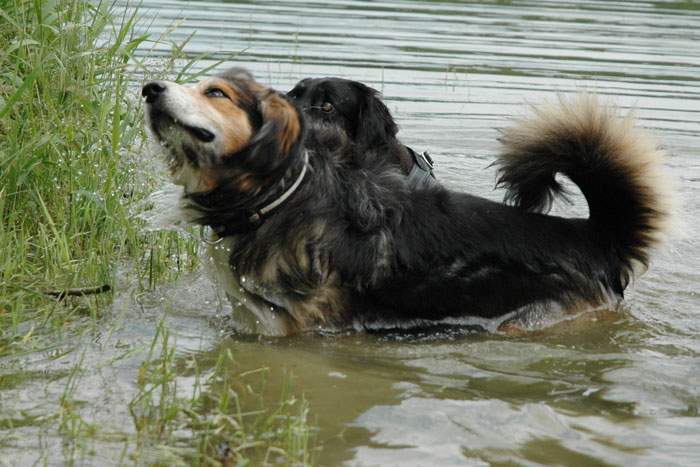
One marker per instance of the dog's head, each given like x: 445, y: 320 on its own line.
x: 224, y: 129
x: 350, y: 106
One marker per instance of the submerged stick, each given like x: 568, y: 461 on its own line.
x: 78, y: 292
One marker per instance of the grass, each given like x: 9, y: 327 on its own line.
x: 70, y: 136
x: 213, y: 417
x: 68, y: 125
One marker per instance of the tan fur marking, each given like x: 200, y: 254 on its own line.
x: 276, y: 107
x: 231, y: 121
x: 322, y: 306
x: 207, y: 181
x: 248, y: 183
x: 269, y: 274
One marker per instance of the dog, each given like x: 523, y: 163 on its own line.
x: 334, y: 239
x: 357, y: 115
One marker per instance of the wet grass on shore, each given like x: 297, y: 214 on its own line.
x: 70, y: 136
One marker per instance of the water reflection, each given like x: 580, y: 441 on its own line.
x: 564, y: 394
x: 620, y: 388
x: 623, y: 389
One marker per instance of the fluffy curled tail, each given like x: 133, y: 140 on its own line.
x: 616, y: 166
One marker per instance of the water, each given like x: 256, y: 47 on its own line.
x: 614, y: 388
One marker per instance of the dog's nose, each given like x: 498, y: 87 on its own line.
x: 152, y: 90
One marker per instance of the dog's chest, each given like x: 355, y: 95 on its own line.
x: 257, y: 308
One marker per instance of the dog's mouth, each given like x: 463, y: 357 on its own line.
x: 162, y: 122
x: 201, y: 134
x: 182, y: 143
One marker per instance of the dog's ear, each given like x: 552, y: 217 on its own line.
x: 279, y: 135
x: 298, y: 88
x: 277, y: 110
x: 236, y: 73
x: 375, y: 124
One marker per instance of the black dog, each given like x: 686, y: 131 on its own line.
x: 358, y: 116
x: 337, y: 244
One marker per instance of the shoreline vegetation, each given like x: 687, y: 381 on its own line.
x: 70, y: 135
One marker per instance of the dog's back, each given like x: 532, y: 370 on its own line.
x: 464, y: 255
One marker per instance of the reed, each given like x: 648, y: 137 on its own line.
x: 71, y: 138
x: 68, y: 129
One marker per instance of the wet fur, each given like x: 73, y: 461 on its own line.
x: 357, y: 117
x: 354, y: 247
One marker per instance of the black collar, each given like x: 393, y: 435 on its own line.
x: 253, y: 219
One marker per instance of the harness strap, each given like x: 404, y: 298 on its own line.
x: 421, y: 174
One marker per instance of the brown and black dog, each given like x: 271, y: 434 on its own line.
x: 332, y: 237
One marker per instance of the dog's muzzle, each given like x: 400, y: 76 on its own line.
x: 154, y: 91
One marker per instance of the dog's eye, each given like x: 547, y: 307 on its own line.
x: 327, y: 107
x: 214, y: 92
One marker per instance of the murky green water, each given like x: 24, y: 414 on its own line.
x: 623, y: 388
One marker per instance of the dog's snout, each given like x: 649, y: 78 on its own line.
x: 152, y: 90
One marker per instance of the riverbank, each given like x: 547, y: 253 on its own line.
x: 71, y: 179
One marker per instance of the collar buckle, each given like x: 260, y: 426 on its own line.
x: 255, y: 218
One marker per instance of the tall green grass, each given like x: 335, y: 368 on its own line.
x: 70, y: 140
x: 69, y: 125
